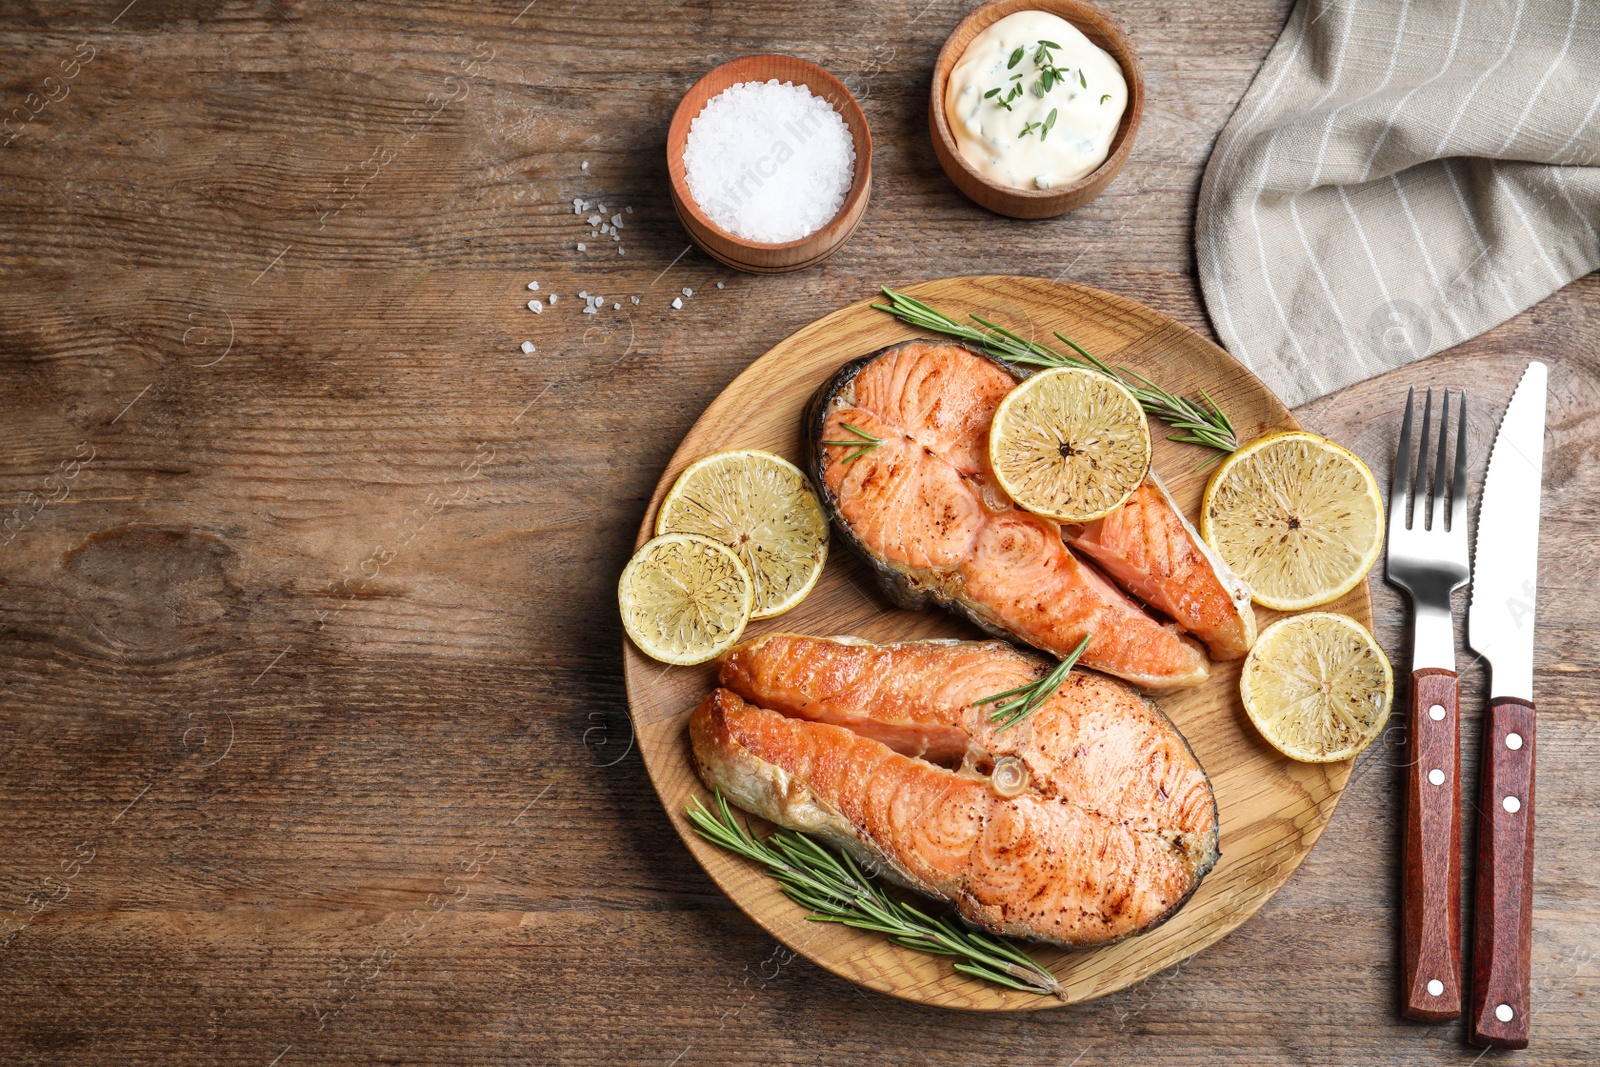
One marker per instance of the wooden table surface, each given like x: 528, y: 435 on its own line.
x: 313, y: 746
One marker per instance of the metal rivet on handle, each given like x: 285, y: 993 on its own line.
x: 1504, y: 1013
x: 1435, y: 987
x: 1513, y: 741
x: 1436, y: 712
x: 1511, y: 804
x: 1436, y: 777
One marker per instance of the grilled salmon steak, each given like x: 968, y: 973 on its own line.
x: 1107, y: 829
x: 1152, y: 551
x: 899, y: 448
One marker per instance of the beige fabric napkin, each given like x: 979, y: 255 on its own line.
x: 1402, y: 175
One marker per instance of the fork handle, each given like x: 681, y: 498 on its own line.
x: 1502, y: 941
x: 1431, y: 920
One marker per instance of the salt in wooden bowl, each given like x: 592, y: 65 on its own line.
x: 756, y: 256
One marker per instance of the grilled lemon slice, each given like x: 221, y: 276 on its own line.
x: 1296, y: 516
x: 1317, y: 686
x: 1070, y: 444
x: 684, y: 599
x: 762, y: 507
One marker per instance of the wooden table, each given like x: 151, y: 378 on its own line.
x: 313, y: 745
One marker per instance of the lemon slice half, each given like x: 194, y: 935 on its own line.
x: 761, y: 507
x: 1070, y: 444
x: 1296, y: 516
x: 684, y: 599
x: 1317, y: 686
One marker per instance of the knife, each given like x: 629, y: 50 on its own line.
x: 1500, y: 628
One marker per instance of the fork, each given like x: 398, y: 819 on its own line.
x: 1428, y: 559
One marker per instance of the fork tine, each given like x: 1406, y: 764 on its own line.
x: 1458, y: 485
x: 1400, y: 479
x: 1436, y: 506
x: 1419, y: 485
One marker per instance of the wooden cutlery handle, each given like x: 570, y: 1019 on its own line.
x: 1502, y: 944
x: 1431, y: 921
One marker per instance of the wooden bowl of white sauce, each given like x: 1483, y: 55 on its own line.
x: 1035, y: 104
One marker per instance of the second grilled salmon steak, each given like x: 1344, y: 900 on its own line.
x: 1110, y: 830
x: 922, y: 507
x: 1096, y: 741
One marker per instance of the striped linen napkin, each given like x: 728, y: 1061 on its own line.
x: 1402, y: 175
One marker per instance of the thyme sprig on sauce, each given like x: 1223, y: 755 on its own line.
x: 1199, y: 420
x: 837, y: 890
x: 1015, y: 705
x: 1050, y: 76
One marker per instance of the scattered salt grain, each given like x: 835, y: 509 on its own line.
x: 616, y: 307
x: 721, y: 286
x: 688, y: 292
x: 677, y: 302
x: 591, y: 310
x: 602, y: 208
x: 581, y: 248
x: 585, y: 165
x: 583, y: 294
x: 536, y: 306
x: 533, y: 287
x: 635, y: 300
x: 577, y: 206
x: 619, y: 250
x: 616, y: 220
x: 554, y: 297
x: 593, y: 220
x: 527, y: 348
x: 769, y: 162
x: 599, y: 299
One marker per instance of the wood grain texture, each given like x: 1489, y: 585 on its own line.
x: 254, y: 552
x: 1430, y: 918
x: 1272, y: 809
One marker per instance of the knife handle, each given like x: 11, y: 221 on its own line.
x: 1431, y: 919
x: 1502, y: 944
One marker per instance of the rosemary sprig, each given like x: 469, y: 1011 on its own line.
x: 865, y: 443
x: 835, y: 888
x: 1014, y: 705
x: 1199, y: 424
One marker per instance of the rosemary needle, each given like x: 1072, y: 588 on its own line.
x: 1198, y: 423
x: 863, y: 443
x: 836, y: 889
x: 1014, y: 705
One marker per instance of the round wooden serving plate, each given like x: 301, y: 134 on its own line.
x: 1273, y: 809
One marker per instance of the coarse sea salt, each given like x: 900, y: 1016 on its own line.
x: 527, y: 348
x: 769, y: 162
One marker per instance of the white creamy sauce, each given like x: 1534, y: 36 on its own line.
x: 1009, y: 136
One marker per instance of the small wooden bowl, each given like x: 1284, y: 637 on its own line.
x: 756, y: 256
x: 1036, y: 203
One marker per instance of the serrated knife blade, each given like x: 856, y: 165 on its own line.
x: 1505, y: 562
